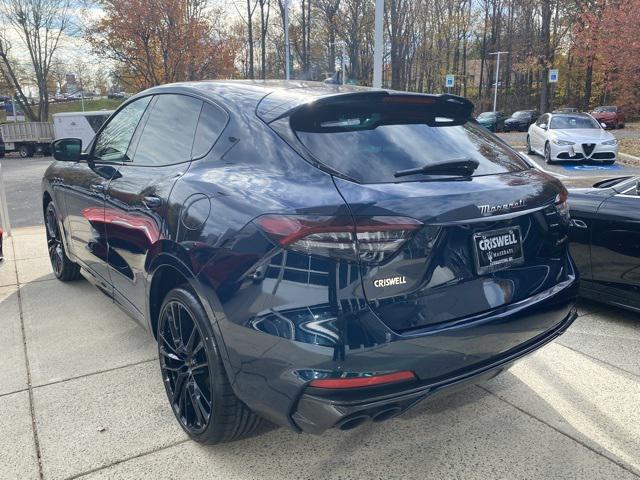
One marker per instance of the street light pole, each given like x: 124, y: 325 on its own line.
x: 286, y: 40
x: 495, y: 91
x: 378, y: 44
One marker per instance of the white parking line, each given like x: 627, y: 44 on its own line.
x: 537, y: 165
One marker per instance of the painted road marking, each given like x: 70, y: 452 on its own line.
x: 591, y: 168
x: 539, y: 167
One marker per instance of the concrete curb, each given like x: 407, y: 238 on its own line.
x: 630, y: 157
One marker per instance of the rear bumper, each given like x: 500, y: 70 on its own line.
x: 515, y: 127
x: 316, y: 412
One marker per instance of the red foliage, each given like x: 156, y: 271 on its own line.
x: 608, y: 33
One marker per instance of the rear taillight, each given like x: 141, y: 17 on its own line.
x: 562, y: 206
x: 363, y: 381
x: 369, y: 239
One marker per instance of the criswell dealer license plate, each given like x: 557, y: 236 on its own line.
x: 498, y: 249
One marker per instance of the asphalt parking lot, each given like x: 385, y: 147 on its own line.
x: 81, y: 394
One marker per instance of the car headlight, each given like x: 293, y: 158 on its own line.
x: 613, y: 141
x: 557, y: 141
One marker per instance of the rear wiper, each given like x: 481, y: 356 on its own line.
x: 461, y: 167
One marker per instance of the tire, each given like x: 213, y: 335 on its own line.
x: 64, y: 269
x: 194, y: 360
x: 25, y: 151
x: 547, y: 154
x: 529, y: 151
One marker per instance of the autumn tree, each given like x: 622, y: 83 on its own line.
x: 160, y: 42
x: 38, y: 26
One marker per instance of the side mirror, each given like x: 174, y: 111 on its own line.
x: 603, y: 125
x: 67, y: 149
x: 544, y: 126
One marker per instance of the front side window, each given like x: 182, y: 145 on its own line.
x: 168, y: 134
x: 113, y: 142
x: 542, y: 120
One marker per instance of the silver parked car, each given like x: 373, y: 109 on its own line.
x: 573, y: 137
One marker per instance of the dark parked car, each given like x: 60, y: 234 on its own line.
x: 492, y: 121
x: 611, y: 116
x: 605, y: 240
x: 316, y: 256
x: 519, y: 121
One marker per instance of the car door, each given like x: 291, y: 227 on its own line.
x: 537, y: 134
x: 89, y: 179
x: 137, y: 197
x: 615, y: 250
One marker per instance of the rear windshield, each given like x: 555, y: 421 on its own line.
x: 605, y: 109
x: 369, y: 143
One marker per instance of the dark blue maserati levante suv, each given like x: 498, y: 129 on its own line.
x: 318, y: 256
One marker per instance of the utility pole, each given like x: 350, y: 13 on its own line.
x: 495, y: 91
x: 378, y: 44
x: 287, y: 52
x: 343, y: 65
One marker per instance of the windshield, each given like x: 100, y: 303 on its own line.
x: 605, y: 109
x: 565, y: 122
x: 521, y: 115
x: 369, y: 143
x: 486, y: 115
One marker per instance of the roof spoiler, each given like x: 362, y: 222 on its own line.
x: 282, y: 104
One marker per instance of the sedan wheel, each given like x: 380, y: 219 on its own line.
x: 547, y: 153
x: 63, y: 268
x: 193, y: 374
x: 529, y: 151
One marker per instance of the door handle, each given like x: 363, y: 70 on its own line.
x: 97, y: 187
x: 151, y: 202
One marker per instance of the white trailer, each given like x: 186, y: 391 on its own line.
x: 26, y: 138
x: 82, y: 125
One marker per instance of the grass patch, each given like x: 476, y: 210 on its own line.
x: 76, y: 106
x: 630, y: 146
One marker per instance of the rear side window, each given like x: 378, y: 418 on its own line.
x: 370, y: 142
x: 168, y: 135
x: 212, y: 121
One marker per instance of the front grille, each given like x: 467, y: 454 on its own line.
x: 566, y: 156
x: 604, y: 156
x: 588, y: 148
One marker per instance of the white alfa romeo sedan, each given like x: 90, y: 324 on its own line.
x: 571, y: 137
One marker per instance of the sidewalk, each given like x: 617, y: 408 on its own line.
x: 81, y: 396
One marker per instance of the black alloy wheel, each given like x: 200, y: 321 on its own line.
x: 63, y: 268
x: 185, y: 367
x: 193, y: 374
